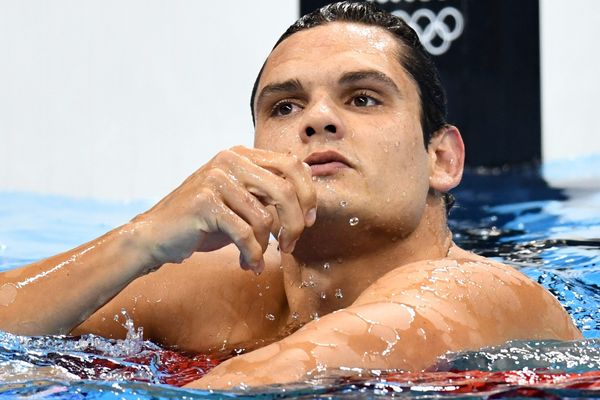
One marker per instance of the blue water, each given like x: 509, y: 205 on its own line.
x: 551, y: 234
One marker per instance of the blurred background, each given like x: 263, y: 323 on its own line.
x: 122, y: 100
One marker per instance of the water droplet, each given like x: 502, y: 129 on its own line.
x: 353, y: 221
x: 295, y: 315
x: 326, y: 265
x: 343, y: 203
x: 270, y: 317
x: 314, y: 316
x: 321, y: 367
x: 339, y: 294
x: 310, y: 283
x: 323, y: 295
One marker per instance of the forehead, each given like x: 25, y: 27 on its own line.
x: 332, y: 49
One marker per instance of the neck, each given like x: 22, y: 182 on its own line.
x: 329, y: 274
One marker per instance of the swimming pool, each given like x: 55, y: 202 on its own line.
x: 551, y: 234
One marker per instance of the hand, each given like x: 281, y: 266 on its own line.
x: 238, y: 197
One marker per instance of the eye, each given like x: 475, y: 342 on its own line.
x: 363, y: 100
x: 284, y: 108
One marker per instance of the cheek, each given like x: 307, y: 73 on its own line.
x: 280, y: 138
x: 397, y: 150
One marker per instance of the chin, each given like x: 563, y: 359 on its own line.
x: 331, y: 198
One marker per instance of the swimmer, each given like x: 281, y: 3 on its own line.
x: 351, y: 164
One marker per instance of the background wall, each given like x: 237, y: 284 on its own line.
x: 570, y: 78
x: 123, y: 99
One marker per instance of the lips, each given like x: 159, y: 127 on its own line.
x: 326, y: 163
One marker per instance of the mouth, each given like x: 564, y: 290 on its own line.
x: 326, y: 163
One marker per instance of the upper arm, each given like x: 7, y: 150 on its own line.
x: 414, y: 314
x: 405, y: 321
x: 475, y: 302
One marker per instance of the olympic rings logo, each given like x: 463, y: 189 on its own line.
x: 435, y: 26
x: 430, y: 25
x: 395, y: 1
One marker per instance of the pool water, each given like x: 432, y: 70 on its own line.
x: 551, y: 234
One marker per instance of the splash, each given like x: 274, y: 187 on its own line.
x: 91, y: 357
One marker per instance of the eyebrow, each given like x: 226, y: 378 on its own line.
x: 348, y: 78
x: 368, y: 75
x: 289, y: 86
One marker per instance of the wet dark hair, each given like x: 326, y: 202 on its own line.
x: 413, y: 58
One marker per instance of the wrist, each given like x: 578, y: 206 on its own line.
x: 138, y: 240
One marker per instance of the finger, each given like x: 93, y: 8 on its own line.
x: 274, y: 190
x: 223, y: 219
x: 293, y: 170
x: 244, y: 204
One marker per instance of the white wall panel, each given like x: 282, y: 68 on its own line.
x: 570, y: 59
x: 124, y: 99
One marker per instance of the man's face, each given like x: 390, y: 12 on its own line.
x: 338, y: 89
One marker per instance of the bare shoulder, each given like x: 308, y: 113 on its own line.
x: 198, y: 305
x: 478, y: 295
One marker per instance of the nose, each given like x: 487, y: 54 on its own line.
x: 322, y: 120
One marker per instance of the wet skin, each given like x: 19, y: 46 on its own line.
x: 337, y: 131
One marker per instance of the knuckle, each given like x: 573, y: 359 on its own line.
x: 226, y: 156
x: 215, y: 175
x: 206, y: 197
x: 299, y: 165
x: 267, y: 220
x: 262, y: 226
x: 291, y: 163
x: 287, y: 191
x: 245, y: 234
x: 294, y: 230
x: 237, y: 148
x: 312, y: 198
x: 248, y: 199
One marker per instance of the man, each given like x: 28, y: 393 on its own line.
x: 351, y: 162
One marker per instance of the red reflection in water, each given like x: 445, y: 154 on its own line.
x: 175, y: 368
x: 178, y: 369
x: 529, y: 383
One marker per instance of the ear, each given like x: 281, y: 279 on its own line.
x: 446, y: 152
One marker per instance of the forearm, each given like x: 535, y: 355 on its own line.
x: 54, y: 295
